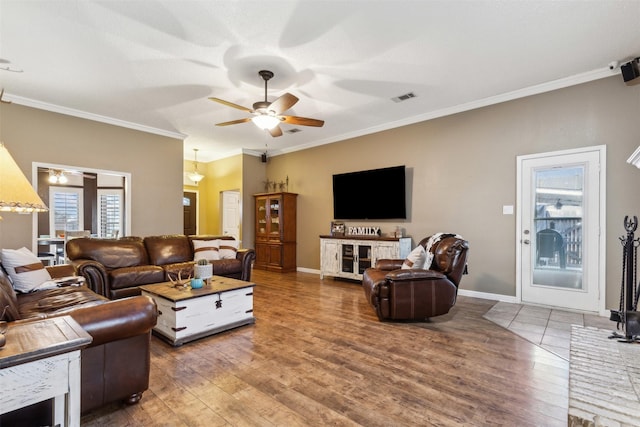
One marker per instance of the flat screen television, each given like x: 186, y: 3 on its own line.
x: 370, y: 194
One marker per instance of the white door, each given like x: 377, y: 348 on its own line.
x: 561, y: 244
x: 231, y: 214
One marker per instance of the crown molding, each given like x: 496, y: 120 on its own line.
x: 485, y: 102
x: 27, y: 102
x: 635, y: 158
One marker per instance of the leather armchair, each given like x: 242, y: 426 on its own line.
x: 417, y: 294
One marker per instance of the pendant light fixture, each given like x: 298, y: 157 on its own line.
x: 195, y: 176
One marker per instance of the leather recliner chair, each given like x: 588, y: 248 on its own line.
x: 417, y: 294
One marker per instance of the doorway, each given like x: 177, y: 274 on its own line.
x: 560, y: 229
x: 231, y: 214
x: 190, y: 210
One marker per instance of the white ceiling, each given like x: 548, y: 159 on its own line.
x: 153, y: 64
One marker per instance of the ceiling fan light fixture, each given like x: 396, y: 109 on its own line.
x: 265, y: 121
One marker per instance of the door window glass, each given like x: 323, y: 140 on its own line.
x: 558, y: 220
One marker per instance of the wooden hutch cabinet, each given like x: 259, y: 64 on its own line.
x: 275, y: 240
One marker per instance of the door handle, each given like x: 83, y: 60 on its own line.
x: 525, y: 241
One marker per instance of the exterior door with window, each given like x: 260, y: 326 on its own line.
x: 561, y: 208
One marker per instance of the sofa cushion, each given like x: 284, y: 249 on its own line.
x: 135, y: 276
x: 206, y: 249
x: 111, y: 253
x: 54, y: 302
x: 8, y: 302
x: 227, y: 267
x: 25, y: 269
x: 168, y: 249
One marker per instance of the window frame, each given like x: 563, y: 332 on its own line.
x: 127, y: 204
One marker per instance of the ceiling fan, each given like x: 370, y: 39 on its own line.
x: 59, y: 176
x: 268, y: 115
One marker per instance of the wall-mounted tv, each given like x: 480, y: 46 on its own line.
x: 370, y: 194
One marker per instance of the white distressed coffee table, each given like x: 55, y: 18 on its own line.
x: 186, y: 314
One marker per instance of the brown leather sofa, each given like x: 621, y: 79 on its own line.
x: 116, y: 267
x: 115, y: 366
x: 417, y: 294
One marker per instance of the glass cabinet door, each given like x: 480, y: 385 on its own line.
x: 364, y: 258
x: 274, y: 215
x: 261, y: 216
x: 348, y: 258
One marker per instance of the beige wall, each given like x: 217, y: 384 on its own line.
x: 154, y: 162
x: 253, y: 177
x: 463, y: 170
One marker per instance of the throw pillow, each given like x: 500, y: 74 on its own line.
x: 206, y: 249
x: 25, y: 270
x: 416, y: 258
x: 228, y: 248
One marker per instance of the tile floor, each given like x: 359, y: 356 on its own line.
x: 546, y: 327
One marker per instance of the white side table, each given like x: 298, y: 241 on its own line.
x: 40, y: 361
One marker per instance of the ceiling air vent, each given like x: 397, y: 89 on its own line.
x: 404, y: 97
x: 294, y: 130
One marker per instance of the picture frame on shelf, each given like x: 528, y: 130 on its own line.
x: 337, y: 228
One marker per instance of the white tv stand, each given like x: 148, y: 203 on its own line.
x: 348, y: 256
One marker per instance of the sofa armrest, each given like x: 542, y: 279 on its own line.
x: 246, y: 257
x: 117, y: 319
x: 95, y: 274
x: 414, y: 274
x: 389, y: 264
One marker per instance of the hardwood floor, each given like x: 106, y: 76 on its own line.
x: 318, y: 355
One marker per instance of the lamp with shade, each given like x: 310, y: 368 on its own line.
x: 16, y: 192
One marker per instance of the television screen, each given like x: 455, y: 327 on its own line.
x: 370, y: 194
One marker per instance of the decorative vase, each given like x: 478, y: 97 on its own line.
x: 203, y: 271
x: 196, y: 283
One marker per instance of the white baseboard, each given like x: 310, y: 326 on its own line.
x: 308, y: 270
x: 486, y: 295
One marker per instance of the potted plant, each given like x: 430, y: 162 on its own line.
x: 203, y: 270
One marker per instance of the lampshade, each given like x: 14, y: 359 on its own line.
x: 195, y: 177
x: 16, y: 192
x: 265, y: 121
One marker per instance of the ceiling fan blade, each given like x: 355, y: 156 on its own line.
x: 275, y: 132
x: 304, y: 121
x: 234, y: 122
x: 283, y: 103
x: 231, y: 104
